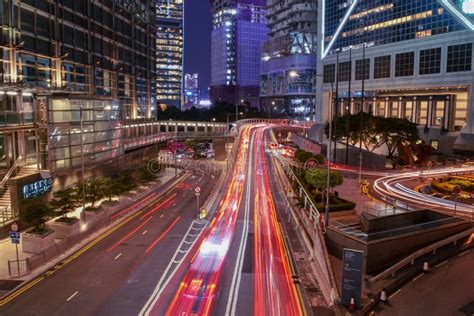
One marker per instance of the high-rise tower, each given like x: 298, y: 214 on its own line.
x: 403, y: 59
x: 169, y: 46
x: 289, y: 57
x: 239, y: 29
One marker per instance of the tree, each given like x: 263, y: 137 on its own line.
x: 303, y: 156
x: 64, y: 202
x: 36, y: 213
x: 318, y: 178
x: 111, y: 188
x: 95, y: 190
x: 125, y: 181
x: 374, y: 131
x: 147, y: 175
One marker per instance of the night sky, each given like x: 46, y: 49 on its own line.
x: 197, y: 40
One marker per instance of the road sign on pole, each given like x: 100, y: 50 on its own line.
x: 197, y: 190
x: 15, y: 239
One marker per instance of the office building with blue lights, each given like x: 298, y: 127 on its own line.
x: 239, y: 29
x: 418, y: 65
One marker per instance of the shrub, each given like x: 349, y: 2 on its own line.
x: 36, y: 213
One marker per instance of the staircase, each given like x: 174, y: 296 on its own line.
x: 17, y: 170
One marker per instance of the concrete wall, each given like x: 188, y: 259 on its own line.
x: 381, y: 254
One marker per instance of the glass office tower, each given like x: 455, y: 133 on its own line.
x: 239, y: 29
x: 60, y: 59
x: 418, y: 64
x: 169, y: 46
x: 288, y: 66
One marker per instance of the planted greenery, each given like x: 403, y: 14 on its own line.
x: 64, y: 202
x: 36, y: 213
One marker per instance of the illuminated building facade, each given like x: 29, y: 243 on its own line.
x: 418, y: 65
x: 66, y: 60
x: 239, y: 29
x: 191, y: 90
x: 169, y: 46
x: 288, y: 65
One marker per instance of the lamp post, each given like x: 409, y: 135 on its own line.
x: 81, y: 121
x: 226, y: 136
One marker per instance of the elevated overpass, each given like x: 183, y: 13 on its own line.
x: 137, y: 135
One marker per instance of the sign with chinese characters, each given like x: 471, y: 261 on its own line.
x: 353, y: 264
x: 37, y: 188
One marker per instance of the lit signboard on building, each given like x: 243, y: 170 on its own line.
x: 467, y: 6
x: 37, y: 188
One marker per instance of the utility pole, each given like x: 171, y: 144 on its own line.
x: 348, y: 112
x: 361, y: 114
x: 336, y: 105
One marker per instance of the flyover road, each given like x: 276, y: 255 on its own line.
x: 394, y: 186
x: 240, y: 265
x: 114, y: 274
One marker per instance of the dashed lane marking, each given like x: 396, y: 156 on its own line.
x: 72, y: 296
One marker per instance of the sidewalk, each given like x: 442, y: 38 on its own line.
x: 350, y: 190
x: 8, y: 251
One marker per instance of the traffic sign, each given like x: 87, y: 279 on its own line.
x: 14, y: 235
x: 16, y: 241
x: 14, y: 227
x: 197, y: 190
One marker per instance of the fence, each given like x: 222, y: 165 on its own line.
x: 309, y: 217
x: 18, y: 268
x: 61, y: 247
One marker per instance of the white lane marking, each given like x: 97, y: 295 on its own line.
x: 465, y: 252
x: 396, y: 293
x: 118, y: 256
x: 442, y: 263
x: 144, y: 232
x: 72, y: 296
x: 417, y: 277
x: 162, y: 284
x: 236, y: 278
x: 162, y: 215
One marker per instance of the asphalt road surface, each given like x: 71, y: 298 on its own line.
x: 116, y: 275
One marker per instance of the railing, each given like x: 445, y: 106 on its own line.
x: 411, y: 258
x: 314, y: 214
x: 18, y: 268
x: 9, y: 173
x: 160, y: 137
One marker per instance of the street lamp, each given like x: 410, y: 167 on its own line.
x: 81, y: 120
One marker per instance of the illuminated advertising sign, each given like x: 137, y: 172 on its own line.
x: 467, y: 6
x: 37, y: 188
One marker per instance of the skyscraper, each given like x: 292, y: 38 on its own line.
x: 289, y: 57
x: 239, y: 29
x: 418, y: 65
x: 71, y: 73
x: 191, y: 90
x: 169, y: 46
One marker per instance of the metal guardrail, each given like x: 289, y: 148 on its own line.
x: 314, y: 214
x: 18, y: 268
x: 10, y: 171
x: 411, y: 258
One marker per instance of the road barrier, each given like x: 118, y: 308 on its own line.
x: 410, y: 260
x: 309, y: 218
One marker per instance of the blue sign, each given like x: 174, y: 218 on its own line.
x: 353, y: 264
x: 15, y: 237
x: 37, y: 188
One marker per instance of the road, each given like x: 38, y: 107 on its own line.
x: 240, y: 265
x: 393, y: 186
x: 443, y: 291
x: 115, y: 275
